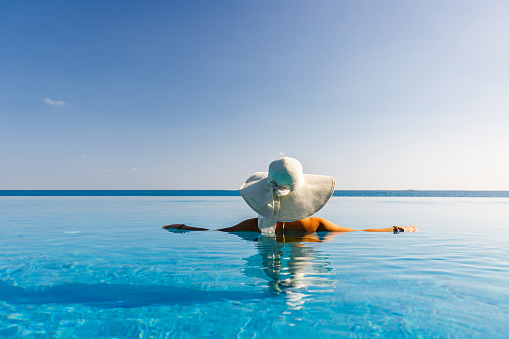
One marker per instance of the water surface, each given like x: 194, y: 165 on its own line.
x: 103, y: 267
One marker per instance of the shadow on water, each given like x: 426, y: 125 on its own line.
x: 290, y: 267
x: 118, y: 295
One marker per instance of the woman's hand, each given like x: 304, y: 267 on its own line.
x: 173, y: 226
x: 182, y: 228
x: 176, y: 228
x: 400, y: 229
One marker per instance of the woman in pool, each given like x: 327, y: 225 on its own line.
x: 285, y: 199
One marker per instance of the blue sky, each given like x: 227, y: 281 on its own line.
x: 201, y: 94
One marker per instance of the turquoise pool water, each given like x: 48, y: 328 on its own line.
x: 92, y: 267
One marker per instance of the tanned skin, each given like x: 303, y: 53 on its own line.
x: 307, y: 225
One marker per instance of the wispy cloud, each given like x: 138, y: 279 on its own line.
x: 53, y: 102
x: 84, y: 156
x: 131, y: 170
x: 282, y: 154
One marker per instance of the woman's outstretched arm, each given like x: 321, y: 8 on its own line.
x: 183, y: 227
x: 394, y: 229
x: 329, y: 226
x: 249, y: 225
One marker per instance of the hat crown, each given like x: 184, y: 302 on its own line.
x: 286, y: 173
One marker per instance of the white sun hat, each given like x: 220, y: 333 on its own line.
x: 285, y: 193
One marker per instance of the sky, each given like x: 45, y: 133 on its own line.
x: 389, y: 95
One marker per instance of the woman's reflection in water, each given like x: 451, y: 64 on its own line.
x: 292, y: 266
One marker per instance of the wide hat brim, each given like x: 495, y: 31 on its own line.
x: 301, y: 203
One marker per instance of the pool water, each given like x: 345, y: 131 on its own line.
x: 91, y: 267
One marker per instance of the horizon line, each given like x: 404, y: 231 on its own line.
x: 231, y: 193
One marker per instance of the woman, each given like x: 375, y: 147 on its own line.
x: 285, y: 199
